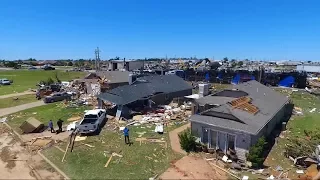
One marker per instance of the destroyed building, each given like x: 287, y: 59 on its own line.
x: 146, y: 91
x: 234, y: 119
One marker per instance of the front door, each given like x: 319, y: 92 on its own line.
x: 222, y: 139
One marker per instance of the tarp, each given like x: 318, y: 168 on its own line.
x: 31, y: 125
x: 287, y: 82
x: 236, y: 79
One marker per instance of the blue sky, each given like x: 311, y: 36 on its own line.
x: 253, y: 29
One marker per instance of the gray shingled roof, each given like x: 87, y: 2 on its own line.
x: 145, y: 87
x: 267, y: 100
x: 113, y: 76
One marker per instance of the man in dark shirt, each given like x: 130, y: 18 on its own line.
x: 59, y: 123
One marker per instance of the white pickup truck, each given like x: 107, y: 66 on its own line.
x: 91, y: 121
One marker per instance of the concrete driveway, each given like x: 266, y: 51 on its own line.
x: 11, y: 110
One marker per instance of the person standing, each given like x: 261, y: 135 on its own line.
x: 126, y: 135
x: 59, y: 123
x: 51, y: 126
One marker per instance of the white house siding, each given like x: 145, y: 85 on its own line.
x: 308, y: 68
x: 242, y: 140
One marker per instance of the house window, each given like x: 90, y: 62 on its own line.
x: 231, y: 141
x: 213, y: 141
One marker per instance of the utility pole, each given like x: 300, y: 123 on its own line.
x: 97, y: 61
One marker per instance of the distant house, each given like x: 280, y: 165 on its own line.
x: 309, y: 68
x: 112, y: 78
x: 48, y: 62
x: 236, y: 118
x: 124, y: 65
x: 153, y: 89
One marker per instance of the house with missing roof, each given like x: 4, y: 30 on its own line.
x: 145, y: 91
x: 234, y: 119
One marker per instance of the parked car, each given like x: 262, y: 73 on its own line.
x: 55, y: 97
x: 5, y: 82
x: 91, y: 121
x: 32, y: 68
x: 46, y: 68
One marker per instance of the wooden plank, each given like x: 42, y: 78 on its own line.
x: 108, y: 161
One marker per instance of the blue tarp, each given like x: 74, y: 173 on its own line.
x: 207, y: 77
x: 236, y: 79
x: 287, y: 82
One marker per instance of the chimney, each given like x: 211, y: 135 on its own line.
x: 130, y: 79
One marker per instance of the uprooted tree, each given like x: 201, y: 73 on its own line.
x: 303, y: 146
x: 187, y: 140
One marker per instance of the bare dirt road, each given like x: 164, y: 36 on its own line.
x: 16, y: 162
x: 11, y: 110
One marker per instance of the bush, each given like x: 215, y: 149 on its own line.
x: 187, y: 140
x: 255, y: 155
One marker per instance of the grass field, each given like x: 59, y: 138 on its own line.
x: 138, y: 162
x: 11, y: 102
x: 25, y: 79
x: 44, y: 114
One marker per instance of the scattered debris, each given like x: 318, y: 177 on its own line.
x: 109, y: 160
x: 4, y: 119
x: 299, y: 172
x: 88, y: 145
x: 312, y: 110
x: 80, y: 138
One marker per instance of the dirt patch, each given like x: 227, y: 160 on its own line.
x: 190, y: 167
x: 6, y: 156
x: 16, y: 162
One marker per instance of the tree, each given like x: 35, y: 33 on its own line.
x: 225, y: 60
x: 214, y: 65
x: 255, y: 155
x: 240, y: 63
x: 70, y: 63
x: 187, y: 140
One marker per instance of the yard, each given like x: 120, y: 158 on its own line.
x: 53, y: 111
x: 25, y: 79
x: 17, y: 100
x: 138, y: 161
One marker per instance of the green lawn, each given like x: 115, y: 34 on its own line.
x: 11, y: 102
x: 138, y: 162
x: 44, y: 114
x: 25, y: 79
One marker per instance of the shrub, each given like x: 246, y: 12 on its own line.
x: 187, y: 140
x: 255, y: 155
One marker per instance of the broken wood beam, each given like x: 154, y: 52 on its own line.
x: 108, y: 161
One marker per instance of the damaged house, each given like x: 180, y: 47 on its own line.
x: 104, y: 80
x: 145, y: 92
x: 234, y: 119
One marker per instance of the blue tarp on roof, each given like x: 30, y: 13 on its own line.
x: 287, y: 82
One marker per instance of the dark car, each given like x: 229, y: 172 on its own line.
x: 49, y: 68
x: 55, y: 97
x: 32, y: 68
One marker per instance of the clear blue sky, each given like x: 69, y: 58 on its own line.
x: 257, y: 29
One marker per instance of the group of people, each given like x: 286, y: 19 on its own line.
x: 59, y: 123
